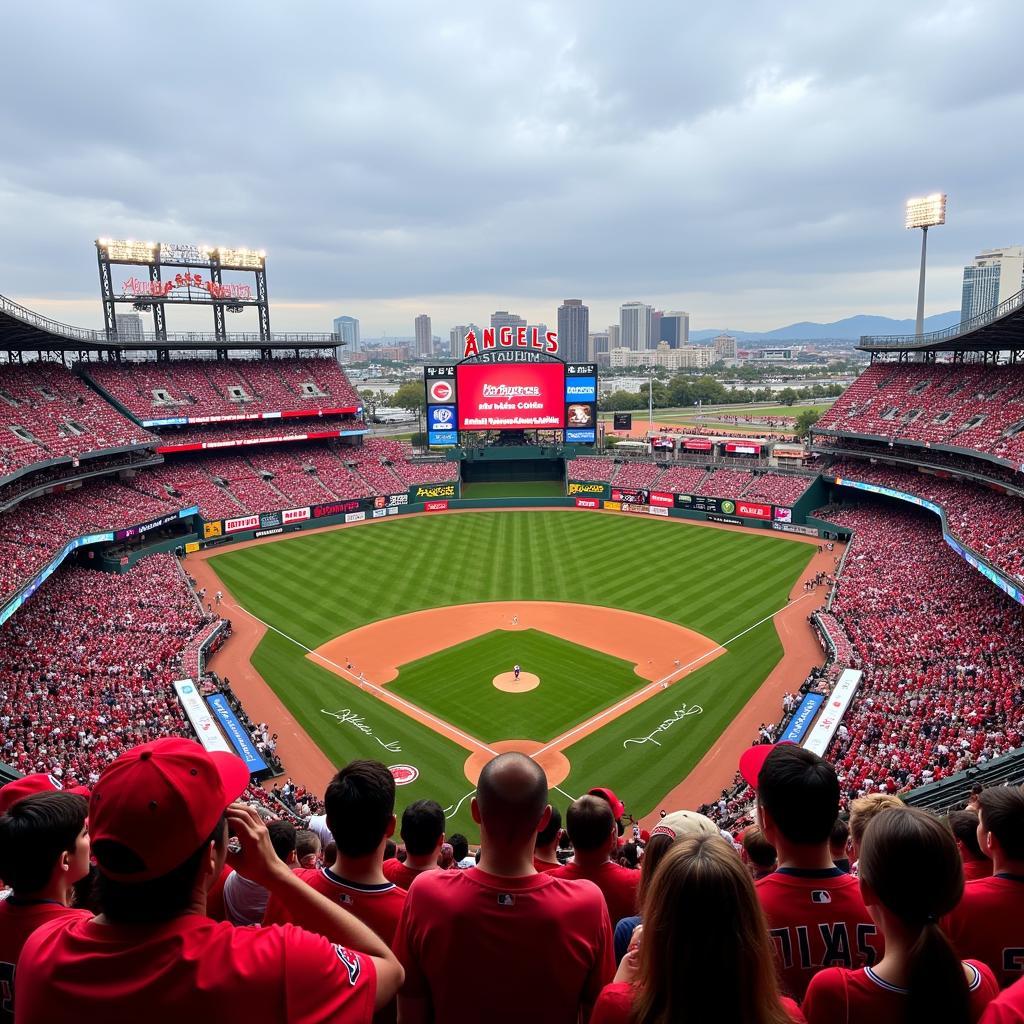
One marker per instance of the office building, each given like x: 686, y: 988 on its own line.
x: 614, y: 337
x: 503, y: 318
x: 129, y: 327
x: 457, y: 339
x: 573, y: 328
x: 674, y: 328
x: 635, y: 322
x: 597, y: 344
x: 686, y: 357
x: 424, y: 338
x: 347, y: 329
x: 991, y: 279
x: 724, y: 346
x: 655, y: 336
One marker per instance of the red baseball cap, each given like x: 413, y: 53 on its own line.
x: 29, y: 785
x: 160, y: 801
x: 753, y: 758
x: 618, y: 807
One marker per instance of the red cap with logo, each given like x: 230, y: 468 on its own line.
x: 29, y: 785
x: 618, y: 807
x: 753, y: 758
x: 157, y: 804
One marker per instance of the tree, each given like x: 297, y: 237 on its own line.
x: 806, y: 419
x: 787, y: 396
x: 409, y: 395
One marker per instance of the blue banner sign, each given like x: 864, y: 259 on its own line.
x: 802, y: 718
x: 238, y: 736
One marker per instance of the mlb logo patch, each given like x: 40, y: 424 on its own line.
x: 506, y: 899
x: 821, y: 896
x: 345, y: 898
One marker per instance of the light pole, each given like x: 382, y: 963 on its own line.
x: 925, y: 212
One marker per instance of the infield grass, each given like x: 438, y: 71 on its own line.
x: 316, y: 587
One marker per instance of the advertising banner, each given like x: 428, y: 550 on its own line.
x: 440, y: 417
x: 802, y: 718
x: 703, y: 503
x: 783, y: 515
x: 697, y: 444
x: 435, y: 506
x: 191, y: 547
x: 294, y: 515
x: 390, y: 500
x: 588, y: 503
x: 627, y: 507
x: 663, y: 499
x: 753, y: 510
x: 237, y: 735
x: 510, y: 396
x: 336, y: 508
x: 587, y: 487
x: 432, y: 492
x: 742, y: 448
x: 268, y: 520
x: 241, y: 523
x: 379, y: 513
x: 212, y: 530
x: 730, y: 520
x: 154, y: 524
x: 631, y: 497
x: 442, y: 438
x: 653, y: 510
x: 440, y: 382
x: 581, y: 389
x: 354, y: 517
x: 663, y: 444
x: 613, y: 506
x: 199, y: 715
x: 269, y: 533
x: 828, y: 721
x: 622, y: 421
x: 805, y: 531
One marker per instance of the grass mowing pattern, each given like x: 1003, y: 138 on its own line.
x: 514, y: 489
x: 457, y: 685
x: 719, y: 583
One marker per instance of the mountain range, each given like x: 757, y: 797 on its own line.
x: 851, y: 328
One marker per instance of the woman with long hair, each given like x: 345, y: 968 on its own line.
x: 703, y: 953
x: 910, y: 876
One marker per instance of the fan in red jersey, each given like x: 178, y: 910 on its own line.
x: 423, y: 836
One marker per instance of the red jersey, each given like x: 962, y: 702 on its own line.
x: 615, y: 1006
x: 480, y: 947
x: 618, y: 884
x: 190, y: 969
x: 816, y: 919
x: 988, y: 925
x: 861, y: 997
x: 977, y: 869
x: 18, y: 920
x: 395, y: 871
x: 545, y: 865
x: 378, y: 906
x: 1007, y: 1007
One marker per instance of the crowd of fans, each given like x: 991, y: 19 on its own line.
x: 47, y: 413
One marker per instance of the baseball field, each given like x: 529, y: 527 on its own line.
x: 638, y: 639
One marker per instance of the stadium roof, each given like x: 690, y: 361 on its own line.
x: 998, y: 329
x: 24, y: 330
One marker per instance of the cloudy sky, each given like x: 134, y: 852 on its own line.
x: 746, y: 162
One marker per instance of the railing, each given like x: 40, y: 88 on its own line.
x: 44, y: 323
x: 875, y: 343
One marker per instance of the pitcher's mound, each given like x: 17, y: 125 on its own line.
x: 507, y: 681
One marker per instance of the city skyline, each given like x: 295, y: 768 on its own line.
x: 753, y: 177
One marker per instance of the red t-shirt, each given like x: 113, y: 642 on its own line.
x: 545, y: 865
x: 977, y: 869
x: 395, y: 871
x: 480, y: 947
x: 190, y: 969
x: 378, y: 906
x: 861, y: 997
x: 618, y: 884
x: 215, y: 896
x: 615, y: 1006
x: 988, y: 925
x: 18, y: 920
x: 816, y: 919
x: 1007, y: 1007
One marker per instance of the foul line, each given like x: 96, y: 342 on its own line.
x: 386, y: 696
x: 458, y: 805
x: 559, y: 741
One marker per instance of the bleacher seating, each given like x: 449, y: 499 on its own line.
x: 725, y: 483
x: 586, y: 468
x: 244, y: 434
x: 777, y: 488
x: 680, y: 479
x: 636, y: 474
x: 47, y: 413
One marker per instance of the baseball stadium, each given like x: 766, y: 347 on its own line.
x: 202, y: 537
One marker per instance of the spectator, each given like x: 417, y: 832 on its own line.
x: 757, y: 853
x: 446, y: 858
x: 863, y: 809
x: 617, y: 806
x: 988, y: 924
x: 460, y: 851
x: 157, y: 817
x: 627, y: 856
x: 815, y: 912
x: 1007, y: 1007
x: 838, y: 844
x: 423, y: 836
x: 703, y: 943
x: 307, y: 848
x: 910, y: 875
x: 44, y: 851
x: 964, y: 826
x: 594, y: 834
x: 545, y: 855
x: 245, y: 901
x: 678, y: 825
x: 528, y: 946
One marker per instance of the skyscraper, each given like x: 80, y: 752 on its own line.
x: 724, y: 346
x: 573, y: 328
x: 991, y: 279
x: 597, y: 343
x: 503, y: 318
x: 129, y: 327
x: 457, y: 337
x: 424, y: 337
x: 347, y: 328
x: 614, y: 336
x: 674, y: 328
x: 635, y: 320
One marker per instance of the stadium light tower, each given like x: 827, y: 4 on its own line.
x: 925, y: 212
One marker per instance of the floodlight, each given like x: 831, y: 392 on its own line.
x: 926, y: 211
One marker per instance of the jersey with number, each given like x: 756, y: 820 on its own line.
x: 479, y: 947
x: 862, y: 997
x: 18, y: 920
x: 378, y: 906
x: 988, y: 925
x: 816, y: 919
x: 190, y: 969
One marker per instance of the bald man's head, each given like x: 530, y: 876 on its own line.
x: 512, y: 797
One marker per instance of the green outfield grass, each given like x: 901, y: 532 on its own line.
x: 315, y: 587
x: 514, y: 489
x: 457, y: 685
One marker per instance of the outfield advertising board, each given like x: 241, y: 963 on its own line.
x: 832, y: 713
x: 634, y: 497
x: 802, y: 718
x: 435, y: 506
x: 588, y: 502
x: 663, y: 499
x: 513, y: 396
x: 432, y: 492
x: 591, y: 487
x: 753, y: 509
x: 237, y: 735
x: 199, y: 715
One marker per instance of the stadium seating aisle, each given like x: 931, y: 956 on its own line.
x: 63, y: 418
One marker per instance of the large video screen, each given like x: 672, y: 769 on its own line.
x: 511, y: 396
